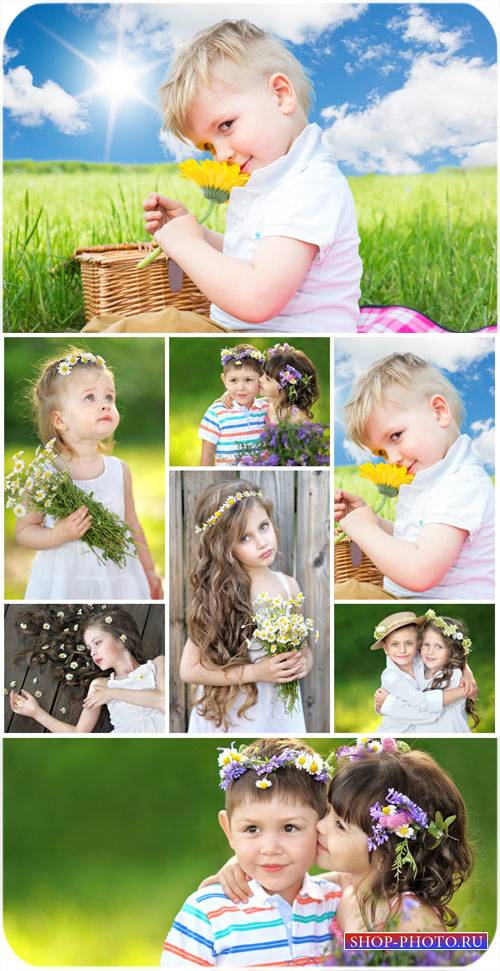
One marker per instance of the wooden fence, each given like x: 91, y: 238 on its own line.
x: 56, y: 696
x: 301, y: 503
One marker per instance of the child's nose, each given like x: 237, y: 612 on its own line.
x: 223, y: 152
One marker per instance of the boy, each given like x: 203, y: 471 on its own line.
x: 275, y: 795
x: 442, y: 541
x: 402, y: 700
x: 288, y: 261
x: 224, y: 425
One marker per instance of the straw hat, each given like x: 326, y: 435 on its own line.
x: 393, y: 622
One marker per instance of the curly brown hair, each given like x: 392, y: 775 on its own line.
x: 457, y: 659
x: 440, y: 870
x: 220, y: 611
x: 54, y: 635
x: 306, y: 392
x: 45, y: 397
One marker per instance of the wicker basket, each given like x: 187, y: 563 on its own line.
x: 112, y: 283
x: 345, y: 569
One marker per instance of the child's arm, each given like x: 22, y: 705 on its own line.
x: 31, y: 709
x: 208, y: 450
x: 278, y: 669
x: 145, y: 558
x: 346, y: 502
x: 417, y: 566
x: 384, y: 701
x: 31, y: 533
x: 254, y: 291
x: 160, y: 210
x: 100, y: 694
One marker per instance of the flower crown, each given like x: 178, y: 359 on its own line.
x: 280, y: 349
x: 230, y: 501
x: 449, y: 630
x: 66, y: 365
x: 288, y: 379
x: 237, y: 357
x: 234, y: 762
x: 399, y: 816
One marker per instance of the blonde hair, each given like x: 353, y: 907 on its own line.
x: 226, y: 51
x: 398, y: 377
x: 46, y: 392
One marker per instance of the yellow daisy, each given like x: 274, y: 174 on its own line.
x: 215, y: 179
x: 387, y: 478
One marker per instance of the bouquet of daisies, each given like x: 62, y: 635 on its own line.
x: 42, y: 487
x: 279, y: 628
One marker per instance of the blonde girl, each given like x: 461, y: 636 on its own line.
x: 238, y: 545
x: 290, y: 384
x: 74, y: 402
x: 102, y: 640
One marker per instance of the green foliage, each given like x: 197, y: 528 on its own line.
x: 348, y: 478
x: 195, y: 383
x: 105, y: 839
x: 358, y: 670
x: 427, y: 241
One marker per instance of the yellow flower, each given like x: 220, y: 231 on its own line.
x: 387, y: 478
x: 215, y: 179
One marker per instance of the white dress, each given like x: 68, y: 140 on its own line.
x: 453, y: 717
x: 266, y: 715
x: 131, y: 719
x: 73, y: 571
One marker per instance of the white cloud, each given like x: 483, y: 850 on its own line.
x: 441, y: 107
x: 161, y: 27
x: 9, y: 53
x: 422, y: 28
x: 31, y: 106
x: 175, y: 148
x: 484, y: 153
x: 453, y: 352
x: 355, y: 452
x: 483, y: 445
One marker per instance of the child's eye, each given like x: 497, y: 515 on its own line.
x: 251, y: 829
x: 339, y: 825
x: 89, y: 397
x: 264, y: 526
x: 396, y: 436
x: 245, y: 538
x: 110, y: 397
x: 226, y: 126
x: 291, y: 828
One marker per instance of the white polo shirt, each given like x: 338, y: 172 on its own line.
x: 304, y: 196
x: 408, y: 707
x: 454, y: 492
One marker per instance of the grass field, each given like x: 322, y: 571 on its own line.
x: 427, y: 241
x: 146, y: 465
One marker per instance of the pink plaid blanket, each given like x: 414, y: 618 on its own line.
x: 400, y: 320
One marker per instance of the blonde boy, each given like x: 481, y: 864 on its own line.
x: 275, y: 795
x: 288, y: 260
x: 442, y: 540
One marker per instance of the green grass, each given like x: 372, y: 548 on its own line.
x: 347, y: 477
x: 147, y: 467
x: 428, y: 241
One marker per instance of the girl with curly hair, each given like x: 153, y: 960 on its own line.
x: 82, y: 643
x: 290, y: 384
x: 235, y: 679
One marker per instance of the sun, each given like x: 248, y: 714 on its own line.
x: 117, y: 80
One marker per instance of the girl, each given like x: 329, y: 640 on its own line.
x: 132, y: 690
x: 441, y: 665
x: 398, y: 862
x: 74, y: 403
x: 290, y: 384
x: 238, y: 545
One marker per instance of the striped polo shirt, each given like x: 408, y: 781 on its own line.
x: 211, y: 930
x: 226, y: 427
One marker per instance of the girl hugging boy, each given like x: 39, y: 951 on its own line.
x: 427, y: 684
x: 231, y: 428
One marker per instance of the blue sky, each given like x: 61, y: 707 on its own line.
x: 401, y: 88
x: 466, y: 360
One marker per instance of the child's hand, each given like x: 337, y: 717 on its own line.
x: 24, y: 704
x: 226, y: 400
x: 72, y: 527
x: 379, y: 697
x: 469, y: 684
x: 345, y: 502
x: 155, y: 585
x: 281, y: 668
x: 98, y: 695
x: 160, y: 210
x: 177, y: 232
x: 234, y: 882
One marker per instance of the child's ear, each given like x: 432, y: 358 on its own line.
x: 441, y: 409
x: 225, y: 826
x: 284, y: 91
x: 57, y: 421
x: 223, y: 379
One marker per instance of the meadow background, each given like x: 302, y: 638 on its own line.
x: 138, y: 366
x: 195, y: 370
x: 104, y: 839
x: 427, y: 241
x: 358, y: 670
